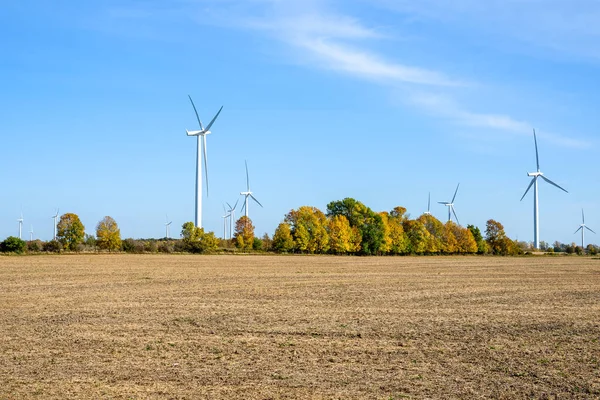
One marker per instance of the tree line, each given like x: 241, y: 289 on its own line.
x: 346, y: 227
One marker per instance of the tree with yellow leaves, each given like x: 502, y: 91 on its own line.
x: 244, y: 233
x: 108, y: 234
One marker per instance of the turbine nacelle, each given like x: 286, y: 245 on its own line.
x: 535, y: 173
x: 197, y: 133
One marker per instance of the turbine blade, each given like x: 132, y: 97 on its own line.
x: 528, y: 187
x: 213, y: 120
x: 236, y: 203
x: 578, y: 229
x: 205, y: 163
x: 443, y: 202
x: 454, y: 212
x: 243, y: 207
x: 582, y: 217
x: 247, y: 177
x: 537, y: 158
x: 589, y: 229
x: 228, y: 205
x: 197, y: 116
x: 552, y: 183
x: 456, y: 191
x: 254, y: 198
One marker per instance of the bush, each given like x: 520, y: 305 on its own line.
x: 34, y: 246
x: 53, y: 246
x: 13, y: 244
x: 257, y: 244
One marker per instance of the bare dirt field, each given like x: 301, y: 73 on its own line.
x: 271, y: 327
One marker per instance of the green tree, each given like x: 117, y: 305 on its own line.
x: 243, y: 236
x: 108, y: 235
x: 70, y: 231
x: 13, y: 244
x: 282, y: 238
x: 369, y: 223
x: 195, y: 240
x: 482, y: 246
x: 418, y: 236
x: 309, y: 229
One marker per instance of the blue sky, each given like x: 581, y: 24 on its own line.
x: 380, y: 100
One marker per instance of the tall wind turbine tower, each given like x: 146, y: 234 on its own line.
x: 428, y: 205
x: 20, y: 220
x: 31, y: 234
x: 248, y: 193
x: 231, y: 212
x: 167, y: 224
x: 225, y: 222
x: 200, y: 152
x: 55, y: 216
x: 534, y: 183
x: 450, y: 205
x: 582, y: 228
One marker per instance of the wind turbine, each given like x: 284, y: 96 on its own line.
x: 167, y: 225
x: 450, y: 205
x: 231, y: 212
x: 428, y: 205
x: 55, y: 217
x: 20, y: 220
x: 582, y: 228
x: 31, y: 234
x: 225, y: 222
x: 248, y: 193
x: 201, y: 150
x: 534, y: 183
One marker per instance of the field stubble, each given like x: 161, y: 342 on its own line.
x: 153, y: 326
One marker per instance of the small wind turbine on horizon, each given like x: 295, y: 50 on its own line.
x: 20, y: 220
x: 201, y: 151
x: 534, y: 183
x: 428, y: 205
x: 167, y: 224
x: 582, y: 228
x: 225, y: 222
x: 31, y: 234
x: 55, y: 216
x: 248, y: 193
x: 231, y: 212
x: 450, y: 205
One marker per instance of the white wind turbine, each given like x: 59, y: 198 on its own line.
x: 20, y: 220
x: 534, y: 183
x: 450, y: 205
x: 201, y: 150
x: 248, y: 193
x: 231, y: 212
x: 55, y: 216
x: 167, y: 224
x: 582, y: 228
x: 225, y: 222
x: 428, y: 205
x: 31, y: 234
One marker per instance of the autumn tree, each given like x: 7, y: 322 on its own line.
x: 449, y: 243
x: 465, y: 242
x: 70, y: 231
x: 369, y: 223
x: 417, y: 236
x: 398, y: 238
x: 108, y: 235
x: 308, y: 228
x: 497, y: 240
x: 434, y: 242
x: 244, y: 233
x: 282, y: 238
x: 195, y: 240
x: 342, y: 237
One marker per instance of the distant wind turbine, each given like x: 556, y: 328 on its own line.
x: 200, y: 151
x: 450, y: 205
x: 582, y: 228
x: 225, y: 222
x: 428, y: 205
x: 31, y: 234
x: 534, y: 183
x: 231, y: 212
x: 55, y: 216
x: 20, y: 220
x: 167, y: 224
x: 248, y: 193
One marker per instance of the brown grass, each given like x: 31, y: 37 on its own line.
x: 261, y: 327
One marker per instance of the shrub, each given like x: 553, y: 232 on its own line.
x: 13, y: 244
x: 53, y: 246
